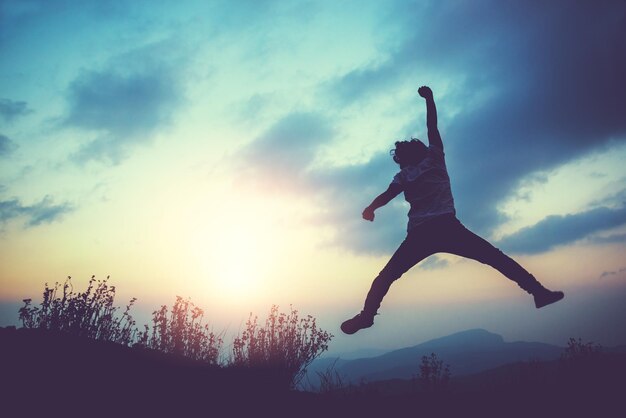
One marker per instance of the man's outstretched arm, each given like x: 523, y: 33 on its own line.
x: 382, y: 199
x: 434, y: 139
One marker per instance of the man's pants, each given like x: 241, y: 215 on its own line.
x: 444, y: 234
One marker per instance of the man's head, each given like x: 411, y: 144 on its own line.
x: 408, y: 152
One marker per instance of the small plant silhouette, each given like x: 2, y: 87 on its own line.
x: 433, y: 374
x: 182, y: 333
x: 579, y: 360
x: 331, y: 382
x: 286, y: 342
x: 577, y: 350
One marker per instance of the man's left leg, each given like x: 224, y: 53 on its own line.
x: 463, y: 242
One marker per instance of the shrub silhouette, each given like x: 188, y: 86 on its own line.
x: 580, y: 361
x: 577, y: 350
x: 286, y: 343
x: 90, y: 313
x: 182, y: 333
x: 433, y: 374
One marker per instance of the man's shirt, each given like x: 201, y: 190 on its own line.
x: 426, y: 187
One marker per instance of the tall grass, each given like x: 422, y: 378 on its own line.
x: 286, y: 343
x: 434, y: 375
x: 90, y: 313
x: 577, y: 350
x: 182, y: 333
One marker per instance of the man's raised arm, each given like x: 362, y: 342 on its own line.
x: 434, y: 139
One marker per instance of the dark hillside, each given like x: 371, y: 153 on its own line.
x: 59, y: 375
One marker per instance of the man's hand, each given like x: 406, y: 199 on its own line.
x: 368, y: 214
x: 425, y: 92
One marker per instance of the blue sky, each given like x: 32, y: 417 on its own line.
x: 148, y: 138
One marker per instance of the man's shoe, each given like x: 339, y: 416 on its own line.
x: 545, y: 297
x: 360, y: 321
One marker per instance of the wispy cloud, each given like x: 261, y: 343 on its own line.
x: 610, y: 239
x: 39, y: 213
x: 434, y: 263
x: 612, y: 273
x: 558, y: 230
x: 291, y: 143
x: 7, y: 146
x: 281, y: 156
x: 124, y: 109
x: 10, y: 110
x: 126, y: 103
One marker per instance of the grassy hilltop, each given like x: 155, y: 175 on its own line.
x: 78, y: 356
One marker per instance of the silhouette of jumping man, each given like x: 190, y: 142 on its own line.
x: 433, y: 226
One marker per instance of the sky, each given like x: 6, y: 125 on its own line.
x: 224, y: 151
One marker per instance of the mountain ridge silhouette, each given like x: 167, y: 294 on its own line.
x: 467, y: 352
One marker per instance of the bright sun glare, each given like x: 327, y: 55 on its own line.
x: 239, y: 249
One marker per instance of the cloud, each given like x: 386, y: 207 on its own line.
x: 558, y: 230
x: 361, y: 82
x: 612, y: 273
x: 10, y: 110
x: 537, y: 84
x: 39, y: 213
x: 124, y: 107
x: 610, y: 239
x: 282, y: 154
x: 434, y: 263
x: 6, y: 146
x: 615, y: 199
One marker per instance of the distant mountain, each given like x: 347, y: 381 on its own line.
x: 466, y: 352
x: 363, y: 353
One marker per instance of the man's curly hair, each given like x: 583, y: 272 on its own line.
x: 408, y: 152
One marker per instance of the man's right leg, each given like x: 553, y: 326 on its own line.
x: 411, y: 251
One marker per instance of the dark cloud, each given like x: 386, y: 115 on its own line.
x: 124, y: 109
x: 558, y: 230
x: 10, y: 110
x: 543, y: 82
x: 44, y: 211
x: 6, y: 145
